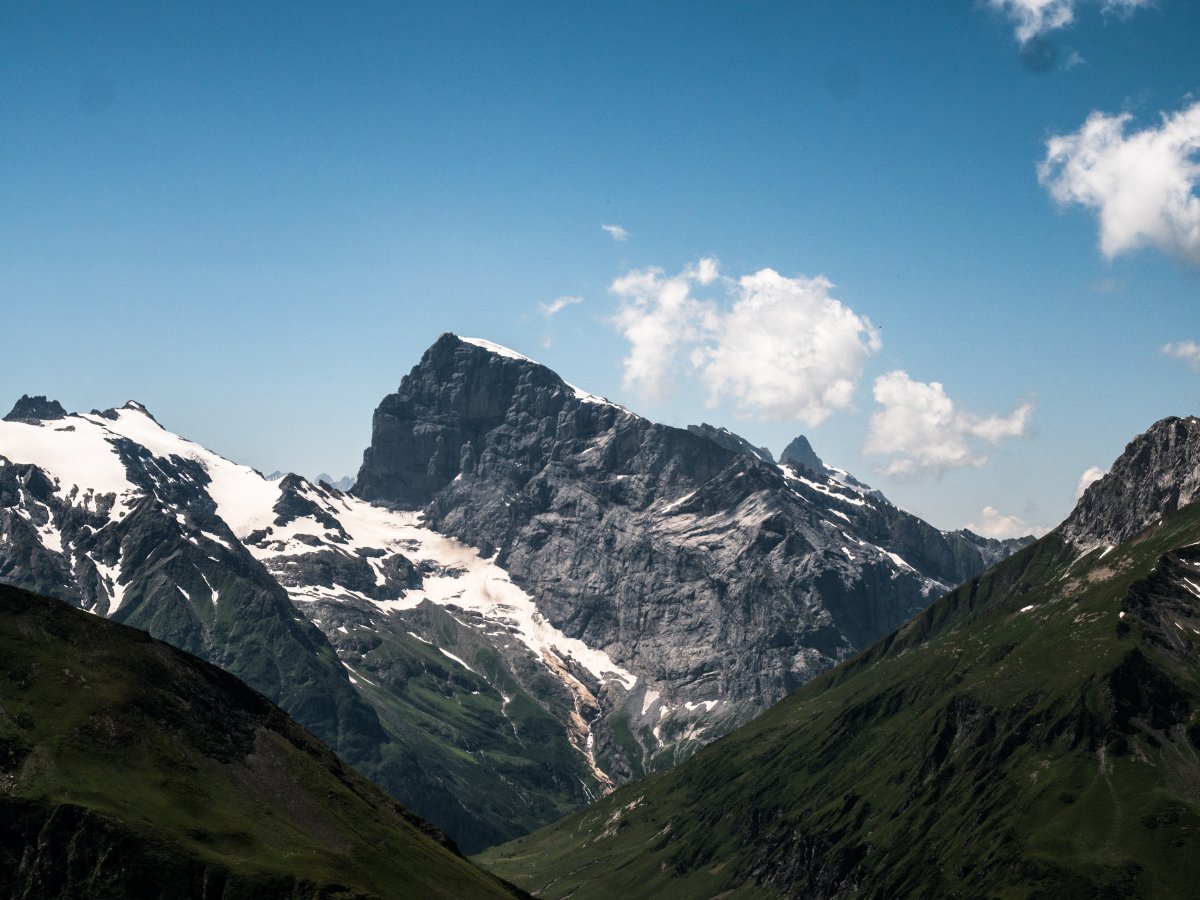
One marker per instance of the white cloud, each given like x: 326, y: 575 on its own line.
x: 992, y: 524
x: 1187, y: 351
x: 616, y: 232
x: 1095, y: 473
x: 1034, y: 18
x: 780, y: 348
x: 1142, y: 184
x: 557, y: 305
x: 920, y: 426
x: 657, y: 315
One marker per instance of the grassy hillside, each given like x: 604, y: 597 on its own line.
x: 1033, y: 734
x: 131, y: 769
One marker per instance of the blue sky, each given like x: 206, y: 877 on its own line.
x: 255, y: 220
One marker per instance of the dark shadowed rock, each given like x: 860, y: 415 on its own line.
x: 35, y: 409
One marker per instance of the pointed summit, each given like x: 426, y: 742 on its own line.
x: 35, y: 409
x: 1158, y: 473
x: 800, y: 451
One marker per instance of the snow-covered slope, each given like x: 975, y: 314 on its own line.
x: 112, y: 512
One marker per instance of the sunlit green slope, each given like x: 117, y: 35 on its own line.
x: 1033, y: 734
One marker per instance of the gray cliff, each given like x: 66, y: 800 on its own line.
x: 1158, y: 473
x: 719, y: 578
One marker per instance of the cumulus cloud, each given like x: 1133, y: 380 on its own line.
x: 1095, y: 473
x: 1187, y: 351
x: 616, y: 232
x: 1034, y: 18
x: 778, y: 347
x: 557, y: 305
x: 926, y: 433
x: 1141, y: 184
x: 992, y: 524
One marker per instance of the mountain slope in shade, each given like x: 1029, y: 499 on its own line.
x: 1034, y: 733
x: 130, y: 769
x: 114, y: 514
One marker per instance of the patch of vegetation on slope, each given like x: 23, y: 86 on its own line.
x: 1032, y: 734
x: 130, y: 769
x: 469, y: 743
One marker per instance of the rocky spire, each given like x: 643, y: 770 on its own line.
x: 35, y: 409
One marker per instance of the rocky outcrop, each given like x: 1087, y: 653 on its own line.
x: 1158, y: 473
x: 800, y: 452
x: 35, y: 409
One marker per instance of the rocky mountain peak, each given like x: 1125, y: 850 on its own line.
x: 800, y: 451
x: 35, y: 409
x: 134, y: 406
x: 467, y: 400
x: 1158, y: 473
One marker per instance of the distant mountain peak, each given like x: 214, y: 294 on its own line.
x: 800, y: 451
x: 342, y: 484
x: 1158, y: 473
x: 35, y: 409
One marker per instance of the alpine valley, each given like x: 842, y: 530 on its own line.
x: 530, y: 596
x: 1034, y: 733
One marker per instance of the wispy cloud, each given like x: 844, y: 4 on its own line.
x: 994, y: 524
x: 1094, y: 473
x: 779, y: 347
x: 1141, y: 184
x: 1187, y: 351
x: 924, y: 432
x: 1034, y: 18
x: 557, y: 305
x: 616, y: 232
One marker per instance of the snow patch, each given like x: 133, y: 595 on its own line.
x: 650, y: 698
x: 458, y: 660
x: 498, y: 349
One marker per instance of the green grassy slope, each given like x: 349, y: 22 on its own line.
x: 470, y: 745
x: 131, y: 769
x: 1033, y: 734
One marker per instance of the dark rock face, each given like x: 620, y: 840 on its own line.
x: 1158, y: 473
x: 35, y: 409
x: 716, y: 576
x: 800, y: 452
